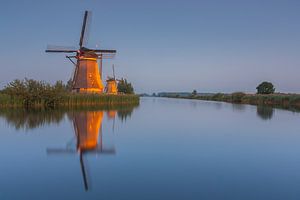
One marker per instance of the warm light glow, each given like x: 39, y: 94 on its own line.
x: 87, y: 77
x: 111, y: 114
x: 111, y: 87
x: 87, y: 126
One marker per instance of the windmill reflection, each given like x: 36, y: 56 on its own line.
x: 87, y: 125
x: 88, y: 132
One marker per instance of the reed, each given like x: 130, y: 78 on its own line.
x: 67, y: 100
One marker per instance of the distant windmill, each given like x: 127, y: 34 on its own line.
x: 111, y: 83
x: 86, y: 76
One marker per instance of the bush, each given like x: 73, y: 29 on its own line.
x: 237, y: 97
x: 218, y: 97
x: 265, y: 88
x: 125, y: 87
x: 34, y: 92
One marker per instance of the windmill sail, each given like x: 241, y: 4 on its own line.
x: 63, y: 49
x: 85, y: 28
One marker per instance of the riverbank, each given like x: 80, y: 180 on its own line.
x: 288, y: 101
x: 67, y: 100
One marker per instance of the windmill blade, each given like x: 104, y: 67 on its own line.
x: 105, y: 150
x: 103, y: 50
x: 113, y: 68
x: 84, y: 174
x: 60, y: 151
x: 106, y: 56
x: 85, y: 28
x: 60, y: 49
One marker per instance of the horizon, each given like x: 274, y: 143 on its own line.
x: 209, y: 46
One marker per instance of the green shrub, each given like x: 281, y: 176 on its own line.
x: 237, y: 97
x: 218, y: 97
x: 265, y: 88
x: 125, y: 87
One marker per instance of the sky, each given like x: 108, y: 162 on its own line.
x: 163, y: 45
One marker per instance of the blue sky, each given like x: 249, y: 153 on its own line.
x: 211, y: 46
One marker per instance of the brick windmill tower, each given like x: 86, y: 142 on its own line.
x: 87, y: 75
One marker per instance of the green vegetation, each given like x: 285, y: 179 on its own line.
x: 265, y: 88
x: 265, y: 97
x: 237, y: 97
x: 30, y: 93
x: 289, y: 101
x: 125, y: 87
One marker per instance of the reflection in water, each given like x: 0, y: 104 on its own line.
x: 180, y: 147
x: 30, y: 119
x: 24, y: 119
x: 111, y: 115
x: 124, y: 114
x: 88, y: 132
x: 87, y: 128
x: 238, y: 107
x: 265, y: 112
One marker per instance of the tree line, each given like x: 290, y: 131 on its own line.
x: 263, y: 88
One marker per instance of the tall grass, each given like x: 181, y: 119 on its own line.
x: 30, y: 93
x: 69, y: 100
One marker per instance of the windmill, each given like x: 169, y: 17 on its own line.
x: 87, y: 76
x: 111, y: 83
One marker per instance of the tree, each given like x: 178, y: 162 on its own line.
x: 265, y: 88
x: 125, y: 87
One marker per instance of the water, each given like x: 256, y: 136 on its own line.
x: 163, y: 149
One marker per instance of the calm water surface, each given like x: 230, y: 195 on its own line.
x: 163, y: 149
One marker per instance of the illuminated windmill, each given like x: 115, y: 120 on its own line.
x: 111, y: 84
x: 86, y: 76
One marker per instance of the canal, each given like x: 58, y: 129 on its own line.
x: 161, y: 149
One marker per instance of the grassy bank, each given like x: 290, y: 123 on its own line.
x: 29, y: 93
x: 67, y: 100
x: 276, y: 100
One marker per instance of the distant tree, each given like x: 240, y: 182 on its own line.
x: 154, y: 95
x: 125, y: 87
x: 194, y: 93
x: 265, y: 88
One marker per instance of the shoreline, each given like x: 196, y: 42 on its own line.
x: 286, y: 101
